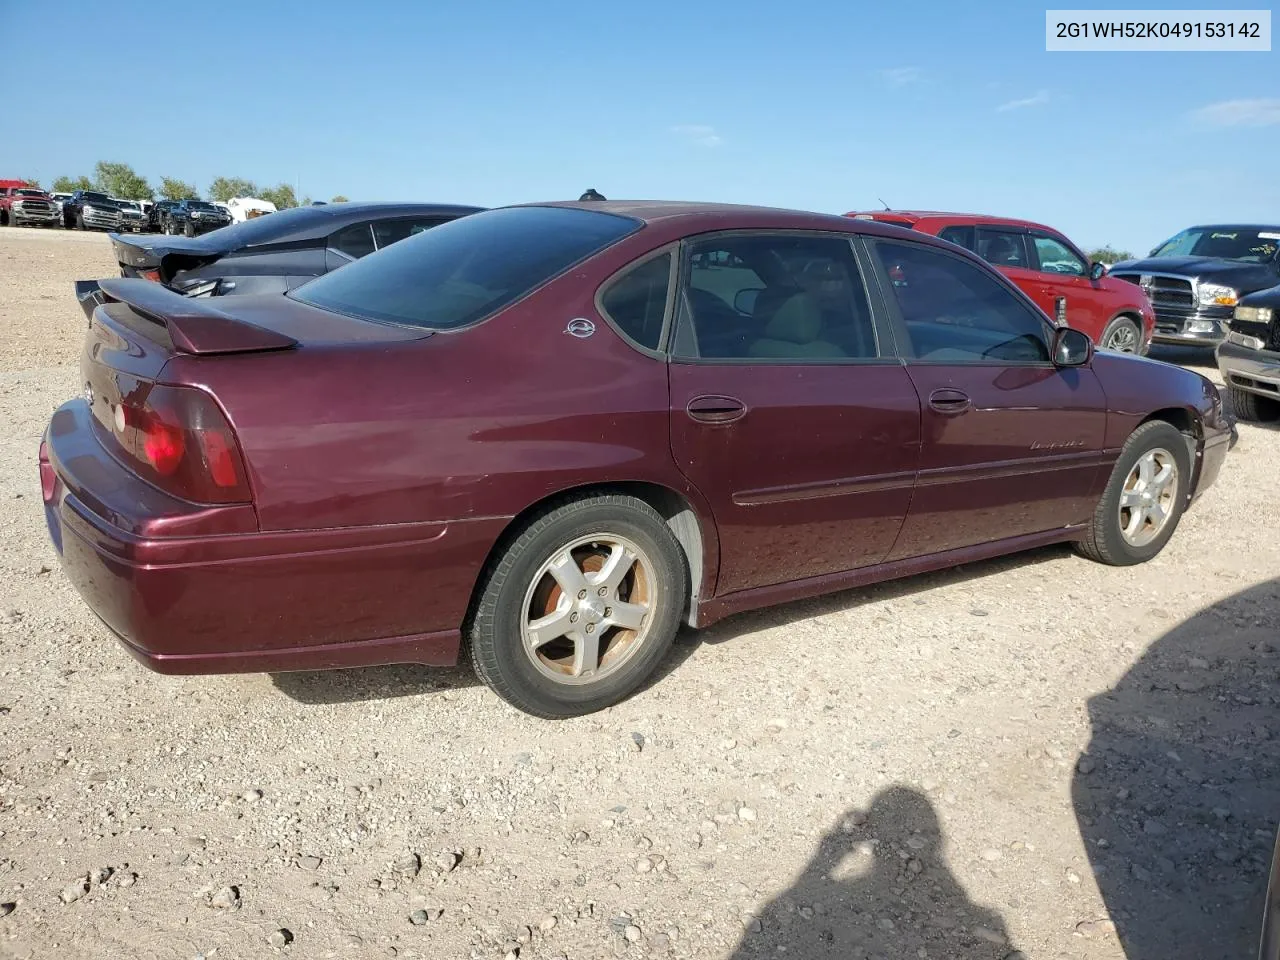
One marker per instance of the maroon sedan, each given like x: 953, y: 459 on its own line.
x: 558, y: 432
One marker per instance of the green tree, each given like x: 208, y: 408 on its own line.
x: 281, y: 195
x: 339, y: 199
x: 1109, y: 255
x: 226, y: 188
x: 121, y: 180
x: 71, y: 184
x: 172, y: 188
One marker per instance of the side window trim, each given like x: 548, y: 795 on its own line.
x: 661, y: 351
x: 885, y: 346
x: 894, y: 312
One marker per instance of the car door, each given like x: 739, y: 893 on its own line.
x: 1011, y: 445
x: 790, y: 410
x: 1064, y: 273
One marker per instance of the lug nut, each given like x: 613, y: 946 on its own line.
x: 573, y: 618
x: 591, y: 628
x: 608, y: 611
x: 582, y: 594
x: 602, y: 591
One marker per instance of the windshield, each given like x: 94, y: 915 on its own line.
x: 127, y: 205
x: 1249, y: 245
x: 467, y: 269
x: 265, y: 229
x: 200, y: 205
x: 28, y: 193
x: 96, y: 197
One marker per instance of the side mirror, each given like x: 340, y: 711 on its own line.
x: 1071, y: 348
x: 1097, y: 271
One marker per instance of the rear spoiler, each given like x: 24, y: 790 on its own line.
x: 195, y: 326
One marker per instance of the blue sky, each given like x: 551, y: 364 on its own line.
x: 816, y: 104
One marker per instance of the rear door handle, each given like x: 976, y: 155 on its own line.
x: 716, y: 409
x: 949, y: 401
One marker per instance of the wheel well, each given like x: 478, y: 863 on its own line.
x: 1185, y: 422
x: 674, y: 508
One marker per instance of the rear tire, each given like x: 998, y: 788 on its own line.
x: 1121, y: 336
x: 1139, y: 511
x: 546, y: 633
x: 1250, y: 406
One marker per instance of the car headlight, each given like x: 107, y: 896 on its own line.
x: 1216, y: 295
x: 1253, y: 314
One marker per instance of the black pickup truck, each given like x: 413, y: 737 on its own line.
x: 90, y: 210
x: 1249, y: 358
x: 194, y: 217
x: 1195, y: 279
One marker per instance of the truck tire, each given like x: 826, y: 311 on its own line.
x: 80, y: 221
x: 188, y: 230
x: 1251, y: 407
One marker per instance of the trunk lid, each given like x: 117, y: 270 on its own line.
x: 165, y: 254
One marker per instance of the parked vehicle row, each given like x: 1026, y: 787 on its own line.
x: 553, y: 433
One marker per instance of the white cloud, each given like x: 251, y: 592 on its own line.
x: 1240, y: 113
x: 902, y: 76
x: 1040, y: 98
x: 699, y: 134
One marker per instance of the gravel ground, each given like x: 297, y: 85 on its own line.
x: 1035, y: 757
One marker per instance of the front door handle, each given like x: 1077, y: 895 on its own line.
x: 949, y: 401
x: 716, y: 409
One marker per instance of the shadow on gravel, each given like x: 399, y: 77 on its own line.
x: 409, y: 680
x: 879, y: 888
x: 372, y: 683
x: 1179, y: 792
x: 917, y: 587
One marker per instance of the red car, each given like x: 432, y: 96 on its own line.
x: 1049, y: 268
x: 557, y: 432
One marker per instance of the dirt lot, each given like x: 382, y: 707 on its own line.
x: 1037, y: 757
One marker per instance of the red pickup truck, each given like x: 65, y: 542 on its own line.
x: 1048, y: 268
x: 20, y: 203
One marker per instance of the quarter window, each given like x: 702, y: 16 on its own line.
x: 1004, y: 248
x: 956, y: 312
x: 355, y: 241
x: 1056, y: 257
x: 387, y: 232
x: 964, y: 236
x: 780, y: 297
x: 637, y: 301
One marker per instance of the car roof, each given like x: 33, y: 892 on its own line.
x: 915, y: 216
x: 695, y: 217
x: 1233, y: 226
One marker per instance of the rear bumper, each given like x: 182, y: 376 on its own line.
x: 204, y: 602
x: 1254, y: 371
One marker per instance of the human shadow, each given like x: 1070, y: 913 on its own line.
x: 1178, y: 793
x: 879, y: 887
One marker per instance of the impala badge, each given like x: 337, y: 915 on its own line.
x: 580, y: 328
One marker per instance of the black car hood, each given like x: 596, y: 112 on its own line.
x: 1269, y: 297
x: 1244, y: 277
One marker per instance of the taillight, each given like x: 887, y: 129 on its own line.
x: 150, y: 275
x: 182, y: 443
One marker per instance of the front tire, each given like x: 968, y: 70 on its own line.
x: 1250, y: 406
x: 80, y: 222
x: 1143, y: 500
x: 579, y: 609
x: 1121, y: 336
x: 188, y: 230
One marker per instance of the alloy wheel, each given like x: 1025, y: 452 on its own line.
x: 1147, y: 498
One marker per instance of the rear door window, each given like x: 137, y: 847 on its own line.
x: 387, y: 232
x: 463, y: 271
x: 1003, y: 248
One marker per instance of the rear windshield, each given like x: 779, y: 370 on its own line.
x: 200, y: 205
x: 467, y: 269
